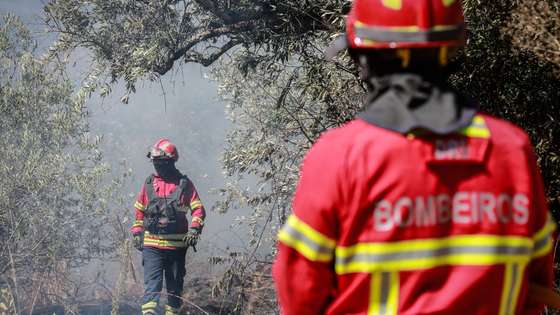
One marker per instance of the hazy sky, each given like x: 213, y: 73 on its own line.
x: 190, y: 115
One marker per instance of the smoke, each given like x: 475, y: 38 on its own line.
x: 183, y: 107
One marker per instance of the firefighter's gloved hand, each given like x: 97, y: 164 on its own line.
x: 192, y: 237
x: 138, y: 240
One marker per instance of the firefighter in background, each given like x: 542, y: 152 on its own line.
x: 161, y: 228
x: 423, y: 204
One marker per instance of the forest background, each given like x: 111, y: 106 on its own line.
x: 267, y: 58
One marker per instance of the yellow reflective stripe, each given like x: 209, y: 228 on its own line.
x: 177, y: 237
x: 139, y: 206
x: 306, y: 240
x: 169, y: 310
x: 392, y: 4
x: 164, y: 240
x: 149, y: 305
x: 423, y: 254
x: 544, y: 249
x: 138, y: 223
x: 504, y: 303
x: 513, y: 277
x: 543, y: 239
x: 436, y: 243
x: 393, y: 298
x: 198, y: 220
x: 477, y: 129
x: 547, y: 229
x: 303, y: 248
x: 426, y: 263
x: 163, y: 243
x: 196, y: 204
x: 384, y: 293
x: 310, y: 232
x: 374, y: 294
x: 448, y: 3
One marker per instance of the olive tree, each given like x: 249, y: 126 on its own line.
x: 267, y: 56
x: 52, y: 208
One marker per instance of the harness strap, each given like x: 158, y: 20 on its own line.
x: 148, y: 185
x: 175, y: 195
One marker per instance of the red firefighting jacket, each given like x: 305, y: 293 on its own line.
x: 385, y: 223
x: 189, y: 200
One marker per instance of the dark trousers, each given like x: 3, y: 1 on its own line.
x: 160, y: 263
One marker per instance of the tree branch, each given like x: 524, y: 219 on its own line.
x: 201, y: 37
x: 210, y: 6
x: 198, y: 58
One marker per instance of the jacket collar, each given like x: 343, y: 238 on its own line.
x: 408, y: 102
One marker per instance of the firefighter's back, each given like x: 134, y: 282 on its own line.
x: 430, y: 224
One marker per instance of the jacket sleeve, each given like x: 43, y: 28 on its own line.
x: 198, y: 213
x: 139, y: 207
x: 303, y: 270
x: 540, y: 269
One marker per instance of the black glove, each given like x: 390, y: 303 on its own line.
x: 191, y: 238
x: 138, y: 240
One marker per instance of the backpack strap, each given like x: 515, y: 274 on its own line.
x: 149, y: 187
x: 181, y: 188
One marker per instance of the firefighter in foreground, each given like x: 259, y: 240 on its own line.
x: 423, y: 204
x: 161, y: 228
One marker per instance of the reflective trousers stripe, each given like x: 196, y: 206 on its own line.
x: 513, y: 277
x: 169, y: 310
x: 149, y: 307
x: 384, y: 293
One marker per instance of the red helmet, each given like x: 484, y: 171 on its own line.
x: 163, y: 149
x: 405, y: 24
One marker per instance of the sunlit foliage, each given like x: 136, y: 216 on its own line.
x: 52, y: 211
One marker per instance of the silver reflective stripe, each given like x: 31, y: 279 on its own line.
x: 511, y: 289
x: 543, y: 241
x: 288, y: 229
x: 513, y: 276
x: 384, y: 298
x: 382, y: 34
x: 384, y: 293
x: 440, y: 252
x: 481, y: 124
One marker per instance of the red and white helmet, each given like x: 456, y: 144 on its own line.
x: 392, y: 24
x: 163, y: 149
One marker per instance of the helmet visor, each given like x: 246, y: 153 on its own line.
x: 157, y: 154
